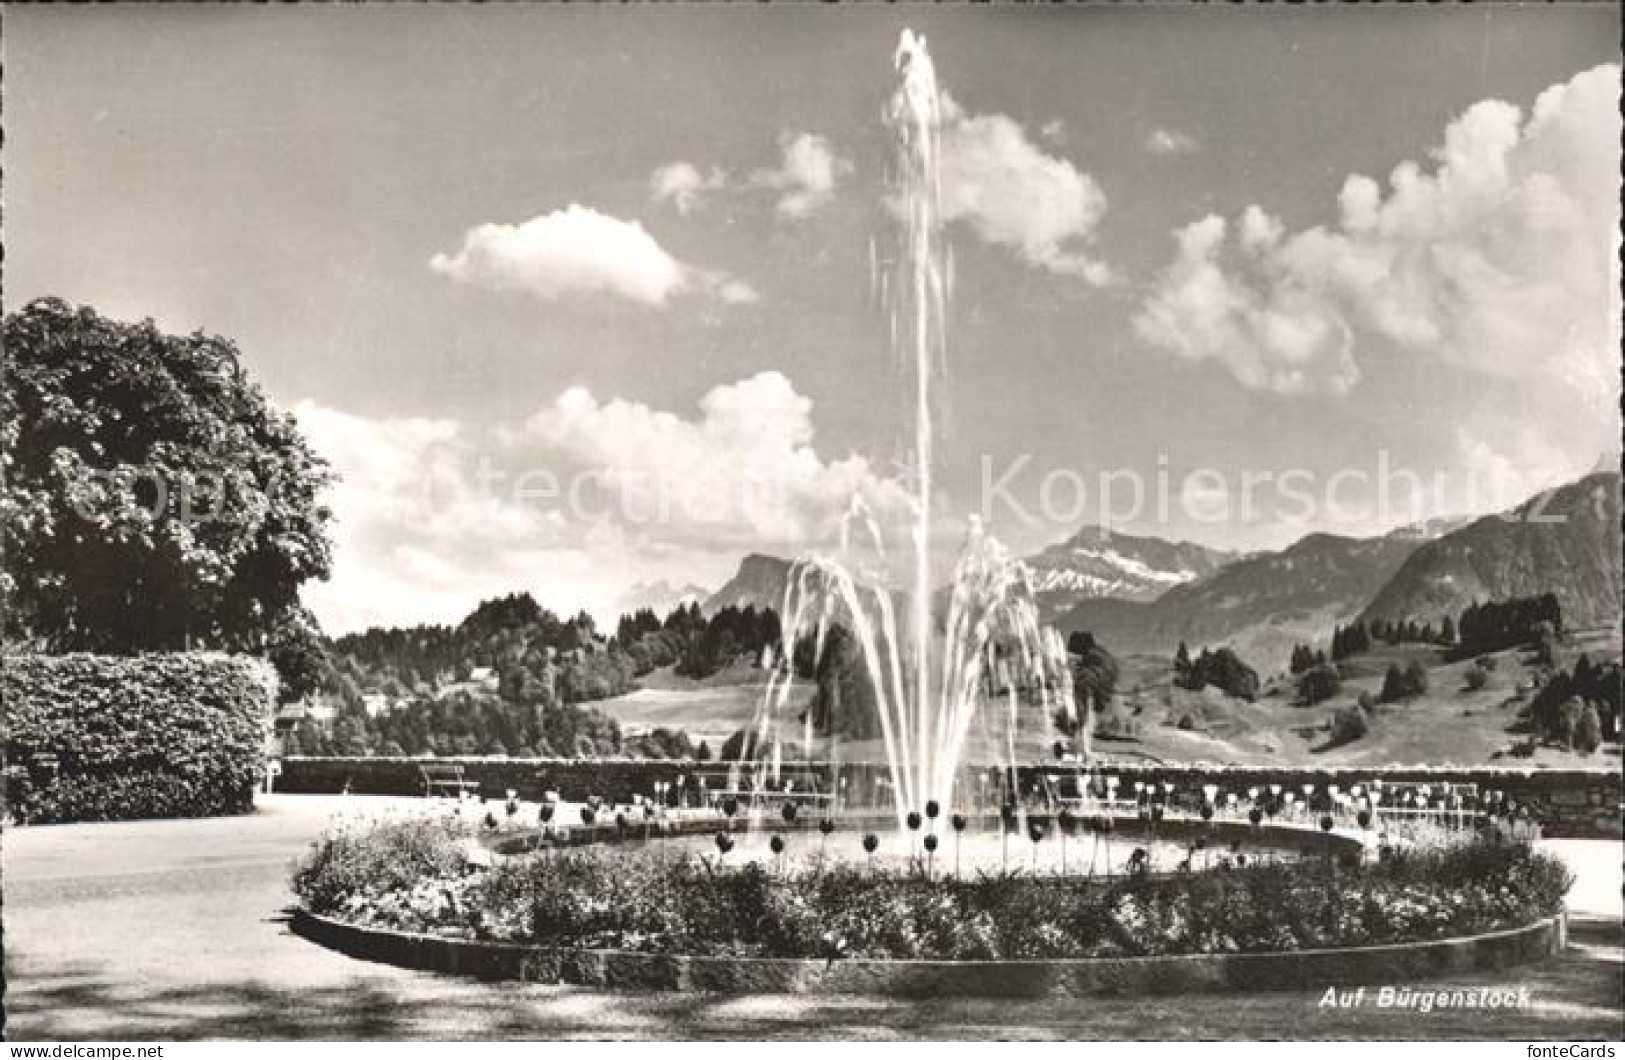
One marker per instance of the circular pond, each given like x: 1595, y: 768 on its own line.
x: 982, y: 851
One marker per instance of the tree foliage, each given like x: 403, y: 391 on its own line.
x: 1592, y: 689
x: 1224, y: 670
x: 1399, y: 684
x: 844, y: 701
x: 1318, y: 684
x: 1348, y: 724
x: 1094, y: 673
x: 1500, y: 624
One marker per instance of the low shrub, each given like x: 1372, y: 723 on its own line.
x: 100, y: 738
x: 1318, y: 684
x: 414, y: 877
x: 1113, y: 725
x: 1404, y: 684
x: 376, y: 861
x: 1224, y: 670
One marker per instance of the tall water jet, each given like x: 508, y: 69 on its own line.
x: 915, y: 116
x: 992, y: 650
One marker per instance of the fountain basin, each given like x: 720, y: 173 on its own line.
x: 982, y: 847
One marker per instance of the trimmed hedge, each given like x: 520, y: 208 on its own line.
x: 416, y: 876
x: 102, y: 738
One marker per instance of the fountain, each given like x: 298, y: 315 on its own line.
x: 991, y: 650
x: 516, y: 902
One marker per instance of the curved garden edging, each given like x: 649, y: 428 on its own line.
x: 1197, y: 973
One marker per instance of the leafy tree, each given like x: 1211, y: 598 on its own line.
x: 296, y: 650
x: 1588, y: 733
x: 311, y: 739
x: 1402, y: 684
x: 1302, y: 658
x: 844, y: 702
x: 1498, y: 624
x: 1416, y: 679
x: 1393, y: 684
x: 1182, y: 661
x: 1545, y: 639
x: 729, y: 635
x: 739, y: 747
x: 152, y: 497
x: 1094, y: 673
x: 1545, y: 707
x: 1570, y: 716
x: 1224, y: 670
x: 1349, y: 724
x: 1350, y: 641
x: 349, y: 738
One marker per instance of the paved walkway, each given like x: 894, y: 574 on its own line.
x: 178, y: 930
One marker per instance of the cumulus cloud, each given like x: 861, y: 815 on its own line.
x: 576, y: 503
x: 1013, y: 194
x: 684, y: 186
x: 1169, y: 142
x: 806, y: 175
x: 1499, y: 257
x: 579, y: 251
x: 1277, y: 335
x: 415, y: 538
x: 1500, y: 472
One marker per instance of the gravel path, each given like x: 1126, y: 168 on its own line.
x: 177, y: 930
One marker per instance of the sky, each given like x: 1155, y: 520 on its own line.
x: 576, y: 298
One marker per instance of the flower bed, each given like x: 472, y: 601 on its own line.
x: 419, y: 877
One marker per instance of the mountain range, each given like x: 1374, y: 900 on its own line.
x: 1097, y: 562
x: 1260, y: 605
x: 661, y: 597
x: 758, y: 583
x: 1565, y: 541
